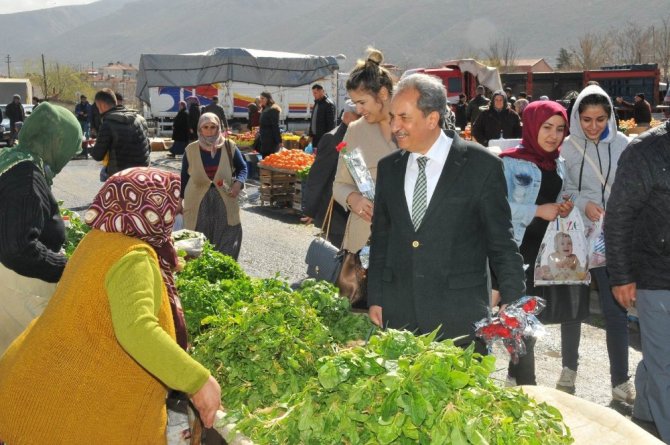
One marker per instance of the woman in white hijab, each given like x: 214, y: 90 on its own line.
x: 213, y: 173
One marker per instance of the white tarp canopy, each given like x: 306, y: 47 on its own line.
x: 230, y: 64
x: 486, y: 75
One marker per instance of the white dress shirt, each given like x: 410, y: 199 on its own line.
x: 437, y: 157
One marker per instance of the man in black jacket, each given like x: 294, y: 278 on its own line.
x: 217, y: 109
x: 641, y: 109
x: 637, y: 236
x: 440, y: 217
x: 122, y: 137
x: 318, y: 189
x: 323, y: 115
x: 499, y: 121
x: 15, y: 113
x: 473, y: 109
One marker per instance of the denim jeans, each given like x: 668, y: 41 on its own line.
x: 652, y: 381
x: 616, y: 328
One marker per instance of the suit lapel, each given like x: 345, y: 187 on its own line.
x: 452, y: 169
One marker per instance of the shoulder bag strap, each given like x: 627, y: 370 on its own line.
x: 326, y: 219
x: 593, y: 167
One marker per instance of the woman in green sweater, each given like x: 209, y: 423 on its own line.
x: 98, y: 362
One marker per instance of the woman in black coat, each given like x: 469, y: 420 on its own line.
x: 270, y: 137
x: 179, y: 131
x: 193, y: 117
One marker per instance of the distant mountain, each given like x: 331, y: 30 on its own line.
x: 411, y: 34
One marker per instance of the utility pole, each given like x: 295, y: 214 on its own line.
x: 9, y: 60
x: 44, y: 76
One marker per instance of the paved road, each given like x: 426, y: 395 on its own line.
x: 275, y: 242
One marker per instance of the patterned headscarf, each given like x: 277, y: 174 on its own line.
x: 142, y: 202
x: 211, y: 143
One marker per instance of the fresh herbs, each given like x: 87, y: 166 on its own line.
x: 75, y: 229
x: 405, y: 389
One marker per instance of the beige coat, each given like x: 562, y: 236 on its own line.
x: 374, y: 147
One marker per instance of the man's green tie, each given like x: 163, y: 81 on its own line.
x: 420, y: 197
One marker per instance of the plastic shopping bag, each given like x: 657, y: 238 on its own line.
x: 596, y: 238
x: 563, y: 255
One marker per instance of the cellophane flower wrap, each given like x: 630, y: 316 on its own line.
x: 355, y: 163
x: 510, y: 325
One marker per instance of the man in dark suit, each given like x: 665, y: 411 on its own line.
x: 441, y: 215
x: 323, y: 114
x: 318, y: 189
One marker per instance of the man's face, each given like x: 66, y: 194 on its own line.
x: 414, y: 132
x: 637, y: 98
x: 317, y: 93
x: 498, y: 102
x: 16, y: 100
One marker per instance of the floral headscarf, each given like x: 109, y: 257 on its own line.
x: 211, y: 143
x: 142, y: 202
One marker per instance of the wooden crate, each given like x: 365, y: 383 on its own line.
x: 297, y: 195
x: 277, y: 186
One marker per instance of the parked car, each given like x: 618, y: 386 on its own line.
x: 4, y: 125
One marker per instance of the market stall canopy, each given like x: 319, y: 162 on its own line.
x: 486, y: 75
x: 230, y: 64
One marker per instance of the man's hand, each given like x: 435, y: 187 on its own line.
x: 307, y: 220
x: 207, y: 401
x: 625, y: 294
x: 375, y: 314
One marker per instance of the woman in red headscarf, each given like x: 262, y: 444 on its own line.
x: 97, y: 364
x: 534, y: 173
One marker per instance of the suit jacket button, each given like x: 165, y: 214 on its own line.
x: 415, y: 244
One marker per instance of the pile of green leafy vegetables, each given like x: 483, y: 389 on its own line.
x: 404, y: 389
x: 75, y: 229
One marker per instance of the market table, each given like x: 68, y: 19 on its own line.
x: 591, y: 423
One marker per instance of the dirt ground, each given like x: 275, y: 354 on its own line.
x: 593, y: 380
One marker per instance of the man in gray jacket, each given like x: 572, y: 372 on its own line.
x: 637, y: 236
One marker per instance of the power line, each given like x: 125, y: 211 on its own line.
x: 9, y: 60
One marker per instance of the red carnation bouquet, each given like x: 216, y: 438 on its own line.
x: 510, y: 325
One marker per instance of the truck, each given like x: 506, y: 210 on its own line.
x: 295, y: 102
x: 618, y: 80
x: 462, y: 77
x: 11, y: 86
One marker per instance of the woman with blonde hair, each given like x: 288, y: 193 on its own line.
x: 370, y: 87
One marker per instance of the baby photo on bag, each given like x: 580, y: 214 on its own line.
x: 562, y: 258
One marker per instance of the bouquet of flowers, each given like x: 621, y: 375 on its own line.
x: 511, y: 324
x: 359, y: 171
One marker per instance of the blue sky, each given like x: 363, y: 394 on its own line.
x: 11, y: 6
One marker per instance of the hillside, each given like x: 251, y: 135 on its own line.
x: 410, y: 34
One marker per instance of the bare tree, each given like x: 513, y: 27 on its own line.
x: 632, y: 44
x: 502, y: 53
x: 661, y: 45
x: 593, y: 51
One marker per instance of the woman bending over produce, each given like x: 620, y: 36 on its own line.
x: 31, y: 228
x: 97, y: 363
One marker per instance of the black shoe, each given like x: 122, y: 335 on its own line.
x: 171, y: 155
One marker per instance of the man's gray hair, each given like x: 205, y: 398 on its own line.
x: 432, y: 94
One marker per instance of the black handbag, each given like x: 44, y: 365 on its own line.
x: 323, y: 261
